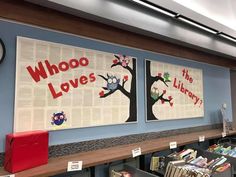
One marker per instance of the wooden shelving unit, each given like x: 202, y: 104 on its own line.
x: 93, y: 158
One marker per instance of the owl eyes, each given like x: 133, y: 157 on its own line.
x: 61, y: 116
x: 110, y: 81
x: 114, y: 80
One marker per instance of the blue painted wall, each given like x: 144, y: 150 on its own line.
x: 216, y: 87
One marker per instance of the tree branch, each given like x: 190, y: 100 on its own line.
x: 108, y: 93
x: 117, y: 57
x: 119, y: 87
x: 119, y: 64
x: 103, y: 77
x: 123, y: 83
x: 157, y: 78
x: 129, y: 69
x: 161, y: 98
x: 122, y: 89
x: 126, y: 67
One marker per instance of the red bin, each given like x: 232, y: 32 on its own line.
x: 25, y: 150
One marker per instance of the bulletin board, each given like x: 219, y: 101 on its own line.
x: 173, y: 91
x: 61, y: 87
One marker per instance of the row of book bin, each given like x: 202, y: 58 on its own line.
x: 186, y: 163
x: 218, y: 160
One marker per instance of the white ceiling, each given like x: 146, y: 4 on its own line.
x: 217, y: 14
x: 222, y: 11
x: 133, y: 17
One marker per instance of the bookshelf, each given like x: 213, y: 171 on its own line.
x: 98, y: 157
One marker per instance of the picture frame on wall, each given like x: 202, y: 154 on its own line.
x: 172, y: 91
x: 60, y: 86
x: 2, y: 50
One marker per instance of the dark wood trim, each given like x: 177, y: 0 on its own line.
x: 93, y: 158
x: 25, y: 12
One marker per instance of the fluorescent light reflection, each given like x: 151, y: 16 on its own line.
x: 197, y: 25
x: 185, y: 19
x: 154, y: 8
x: 227, y: 37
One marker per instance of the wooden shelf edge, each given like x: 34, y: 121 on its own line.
x: 93, y: 158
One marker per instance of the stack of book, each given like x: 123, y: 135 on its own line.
x: 186, y: 154
x: 158, y: 163
x: 199, y: 167
x: 220, y: 149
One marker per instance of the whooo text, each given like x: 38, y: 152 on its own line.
x: 46, y: 69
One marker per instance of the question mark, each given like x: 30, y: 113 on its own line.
x: 200, y: 103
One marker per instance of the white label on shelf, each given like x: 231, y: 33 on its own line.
x: 223, y: 134
x: 201, y: 138
x: 136, y: 152
x: 173, y: 145
x: 74, y: 166
x: 12, y: 175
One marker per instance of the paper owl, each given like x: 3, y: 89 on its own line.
x: 58, y: 118
x: 167, y: 77
x: 154, y: 93
x: 112, y: 82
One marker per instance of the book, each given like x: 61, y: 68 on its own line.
x: 154, y: 165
